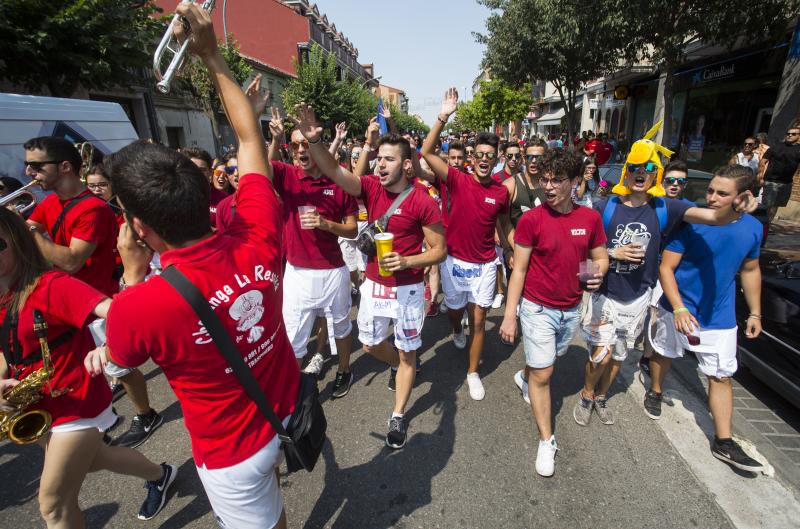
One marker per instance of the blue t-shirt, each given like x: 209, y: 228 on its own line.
x: 706, y: 275
x: 627, y: 281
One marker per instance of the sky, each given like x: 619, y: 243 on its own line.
x: 420, y: 46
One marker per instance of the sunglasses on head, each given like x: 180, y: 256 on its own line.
x: 649, y: 167
x: 230, y: 169
x: 675, y: 181
x: 485, y: 154
x: 37, y: 166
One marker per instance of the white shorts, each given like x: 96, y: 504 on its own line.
x: 247, y: 495
x: 716, y: 352
x: 464, y: 282
x: 316, y: 293
x: 353, y: 258
x: 614, y: 324
x: 655, y: 297
x: 381, y: 306
x: 498, y: 250
x: 102, y: 422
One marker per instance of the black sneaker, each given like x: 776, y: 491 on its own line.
x: 729, y: 451
x: 157, y: 493
x: 392, y: 384
x: 341, y: 386
x: 117, y: 390
x: 142, y: 427
x: 117, y: 421
x: 652, y: 404
x: 396, y: 438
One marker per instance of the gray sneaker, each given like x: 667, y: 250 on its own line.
x: 583, y: 411
x: 603, y: 411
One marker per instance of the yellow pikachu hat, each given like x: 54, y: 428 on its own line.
x: 643, y: 151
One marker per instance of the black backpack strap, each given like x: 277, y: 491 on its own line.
x: 224, y: 343
x: 64, y: 211
x: 12, y: 349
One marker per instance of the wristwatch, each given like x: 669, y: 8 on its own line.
x: 611, y: 253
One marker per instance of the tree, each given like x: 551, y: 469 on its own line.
x: 565, y: 42
x: 406, y: 122
x: 500, y: 103
x: 62, y: 44
x: 198, y: 83
x: 682, y: 23
x: 333, y: 100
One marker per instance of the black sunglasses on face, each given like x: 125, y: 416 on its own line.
x: 487, y: 155
x: 37, y: 166
x: 530, y: 157
x: 516, y: 156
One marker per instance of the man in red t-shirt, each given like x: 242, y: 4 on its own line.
x: 602, y: 150
x: 397, y: 298
x: 563, y: 235
x: 477, y: 206
x: 316, y: 213
x: 235, y: 448
x: 75, y: 230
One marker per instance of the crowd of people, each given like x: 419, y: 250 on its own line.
x: 528, y: 225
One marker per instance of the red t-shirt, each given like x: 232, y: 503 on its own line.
x: 224, y: 214
x: 311, y: 248
x: 239, y: 273
x: 215, y: 197
x: 416, y: 211
x: 602, y: 152
x: 500, y: 175
x: 474, y: 208
x: 559, y: 243
x: 67, y: 305
x: 90, y: 220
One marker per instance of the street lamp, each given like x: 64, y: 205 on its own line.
x: 365, y: 83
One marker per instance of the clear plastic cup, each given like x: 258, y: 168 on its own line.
x: 302, y: 210
x: 642, y: 239
x: 587, y: 270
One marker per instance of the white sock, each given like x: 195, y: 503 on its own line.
x: 397, y: 415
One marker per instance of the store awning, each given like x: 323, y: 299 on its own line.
x: 553, y: 118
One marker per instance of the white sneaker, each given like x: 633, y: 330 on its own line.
x: 476, y: 390
x: 314, y: 366
x: 546, y: 457
x: 460, y: 340
x: 464, y: 320
x: 522, y: 384
x: 498, y: 301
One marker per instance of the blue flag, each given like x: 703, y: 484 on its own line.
x: 381, y: 119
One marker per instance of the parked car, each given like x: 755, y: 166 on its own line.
x: 774, y: 356
x: 695, y: 190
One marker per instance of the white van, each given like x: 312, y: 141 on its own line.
x: 23, y: 117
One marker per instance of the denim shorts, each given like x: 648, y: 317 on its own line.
x: 546, y: 332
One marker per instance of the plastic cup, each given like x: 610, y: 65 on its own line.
x: 383, y: 245
x: 642, y: 239
x: 587, y: 270
x: 302, y: 210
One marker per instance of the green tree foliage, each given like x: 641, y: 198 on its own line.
x: 406, y: 122
x: 333, y: 101
x: 682, y: 23
x: 60, y: 44
x: 496, y: 102
x: 566, y: 42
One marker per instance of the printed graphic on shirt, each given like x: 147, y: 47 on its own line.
x: 623, y: 236
x: 248, y: 309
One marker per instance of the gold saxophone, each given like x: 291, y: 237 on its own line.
x: 23, y: 427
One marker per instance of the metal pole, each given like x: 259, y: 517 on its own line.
x: 225, y: 20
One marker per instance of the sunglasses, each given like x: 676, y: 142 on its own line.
x: 531, y: 157
x: 675, y: 181
x: 516, y: 156
x: 470, y: 153
x: 230, y: 169
x: 355, y: 155
x: 37, y: 166
x: 484, y: 154
x: 649, y: 167
x: 749, y: 144
x: 788, y: 134
x: 296, y: 144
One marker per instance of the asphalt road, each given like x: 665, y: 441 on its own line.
x: 467, y: 464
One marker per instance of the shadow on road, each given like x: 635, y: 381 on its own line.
x: 188, y: 484
x: 20, y: 474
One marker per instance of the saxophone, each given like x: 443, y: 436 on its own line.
x: 23, y: 427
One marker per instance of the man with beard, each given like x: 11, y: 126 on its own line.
x: 477, y: 205
x: 397, y: 298
x: 636, y: 223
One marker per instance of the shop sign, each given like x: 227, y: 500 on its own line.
x: 715, y: 73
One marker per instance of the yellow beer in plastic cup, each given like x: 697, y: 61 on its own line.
x: 383, y: 243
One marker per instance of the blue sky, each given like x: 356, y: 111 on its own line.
x: 420, y: 46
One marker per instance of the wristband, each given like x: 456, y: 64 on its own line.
x: 680, y: 310
x: 756, y: 316
x: 440, y: 120
x: 314, y: 142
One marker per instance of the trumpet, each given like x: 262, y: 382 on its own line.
x: 22, y: 191
x: 168, y: 44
